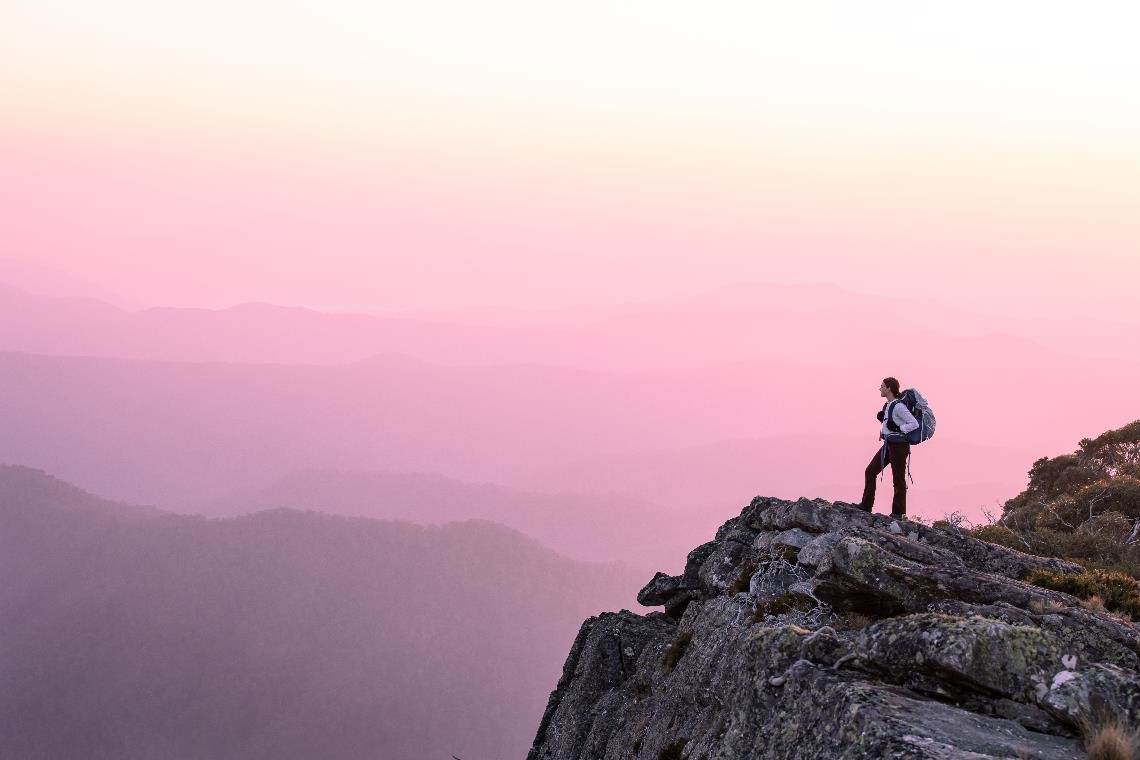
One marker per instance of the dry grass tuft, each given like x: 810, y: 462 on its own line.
x: 857, y: 620
x: 1110, y: 739
x: 1094, y: 603
x: 1040, y: 606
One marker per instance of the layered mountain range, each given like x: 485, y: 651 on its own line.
x: 683, y: 406
x: 377, y: 534
x: 131, y: 633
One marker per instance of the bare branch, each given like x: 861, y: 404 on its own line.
x: 1049, y: 507
x: 1134, y: 536
x: 1093, y: 501
x: 1018, y: 531
x: 958, y: 520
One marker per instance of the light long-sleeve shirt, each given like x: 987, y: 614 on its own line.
x: 902, y: 417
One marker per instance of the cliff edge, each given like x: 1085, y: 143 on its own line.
x: 812, y: 629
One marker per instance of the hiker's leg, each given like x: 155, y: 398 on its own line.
x: 898, y: 452
x: 869, y: 475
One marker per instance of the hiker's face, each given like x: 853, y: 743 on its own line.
x: 883, y: 390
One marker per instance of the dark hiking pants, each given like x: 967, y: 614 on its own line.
x: 896, y: 456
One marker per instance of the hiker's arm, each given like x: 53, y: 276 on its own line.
x: 905, y: 419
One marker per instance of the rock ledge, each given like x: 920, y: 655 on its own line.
x: 812, y: 629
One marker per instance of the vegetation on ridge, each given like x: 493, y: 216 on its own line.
x: 1083, y: 507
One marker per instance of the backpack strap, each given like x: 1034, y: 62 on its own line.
x: 891, y: 416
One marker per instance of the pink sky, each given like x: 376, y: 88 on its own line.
x: 350, y: 158
x: 345, y: 156
x: 651, y: 175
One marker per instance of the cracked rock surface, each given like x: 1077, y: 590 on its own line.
x: 812, y: 629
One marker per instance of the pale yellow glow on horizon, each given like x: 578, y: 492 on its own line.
x: 1002, y: 64
x: 1009, y: 128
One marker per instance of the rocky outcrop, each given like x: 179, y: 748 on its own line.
x: 812, y: 629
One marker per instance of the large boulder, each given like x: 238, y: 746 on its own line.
x: 811, y: 629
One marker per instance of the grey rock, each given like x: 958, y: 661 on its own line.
x: 605, y: 656
x: 776, y: 578
x: 817, y: 554
x: 809, y: 629
x: 909, y: 548
x: 991, y: 558
x: 1028, y: 716
x: 953, y: 657
x: 863, y: 574
x: 1074, y: 694
x: 1082, y: 633
x: 794, y: 538
x: 659, y: 590
x: 728, y: 568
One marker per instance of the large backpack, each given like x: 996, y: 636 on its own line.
x: 916, y: 403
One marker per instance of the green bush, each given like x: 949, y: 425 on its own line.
x: 1117, y: 591
x: 999, y: 534
x: 1102, y: 475
x: 1081, y: 506
x: 1098, y: 542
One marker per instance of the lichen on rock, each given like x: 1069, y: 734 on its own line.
x: 757, y: 655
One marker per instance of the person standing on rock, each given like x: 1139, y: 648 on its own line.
x: 897, y: 422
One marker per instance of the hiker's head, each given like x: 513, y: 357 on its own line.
x: 890, y: 388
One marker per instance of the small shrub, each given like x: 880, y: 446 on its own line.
x: 1129, y: 564
x: 677, y: 650
x: 998, y: 534
x: 1117, y: 592
x: 954, y: 521
x: 1111, y: 524
x: 1094, y: 603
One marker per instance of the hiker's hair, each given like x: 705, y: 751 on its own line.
x: 892, y: 384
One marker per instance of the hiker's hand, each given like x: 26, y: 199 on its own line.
x: 879, y: 416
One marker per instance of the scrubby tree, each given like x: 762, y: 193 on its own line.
x: 1103, y: 475
x: 1083, y: 506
